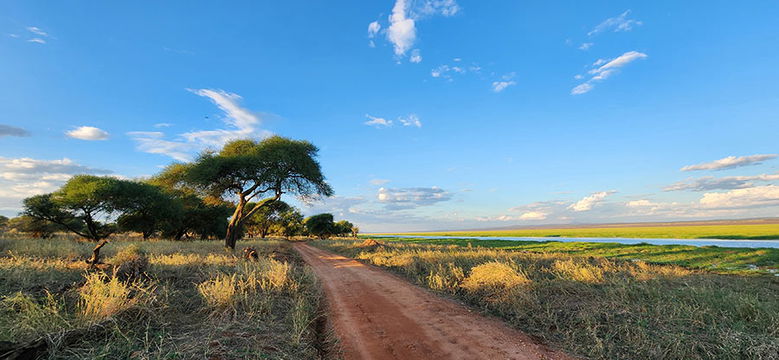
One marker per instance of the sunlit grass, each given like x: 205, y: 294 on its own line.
x: 593, y: 306
x: 158, y: 299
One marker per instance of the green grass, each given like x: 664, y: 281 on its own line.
x: 717, y: 259
x: 736, y: 231
x: 592, y: 306
x: 159, y: 300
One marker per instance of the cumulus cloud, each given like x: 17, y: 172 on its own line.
x: 616, y: 24
x: 731, y: 162
x: 88, y: 133
x: 8, y: 130
x: 603, y: 69
x: 377, y: 121
x: 340, y: 206
x: 758, y: 196
x: 401, y: 30
x: 240, y: 123
x: 409, y: 198
x: 588, y: 202
x: 708, y: 183
x: 25, y: 177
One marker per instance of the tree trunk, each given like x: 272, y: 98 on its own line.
x: 95, y: 259
x: 233, y: 228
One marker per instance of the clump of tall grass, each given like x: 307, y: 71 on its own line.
x: 27, y: 317
x: 103, y: 296
x: 493, y: 278
x: 248, y: 286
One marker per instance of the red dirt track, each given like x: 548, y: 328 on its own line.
x: 378, y: 315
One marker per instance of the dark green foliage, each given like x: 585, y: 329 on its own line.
x: 3, y: 222
x: 80, y: 205
x: 245, y: 169
x: 343, y: 228
x: 147, y: 208
x: 262, y: 222
x: 321, y: 225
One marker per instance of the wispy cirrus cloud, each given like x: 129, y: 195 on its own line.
x: 604, y: 68
x: 240, y: 123
x: 503, y: 83
x: 730, y: 162
x: 409, y: 198
x: 8, y: 130
x: 411, y: 120
x: 708, y: 183
x: 616, y: 24
x: 401, y: 28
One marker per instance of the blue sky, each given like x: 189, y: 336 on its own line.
x: 429, y: 114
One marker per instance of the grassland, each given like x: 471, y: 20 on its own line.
x: 157, y: 300
x: 716, y: 259
x: 731, y: 231
x: 594, y: 306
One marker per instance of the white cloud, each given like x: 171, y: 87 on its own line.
x: 533, y: 215
x: 498, y: 86
x: 24, y: 177
x: 408, y: 198
x: 416, y: 56
x: 162, y: 125
x: 640, y: 203
x: 708, y: 183
x: 373, y: 29
x: 240, y: 124
x: 377, y: 121
x: 588, y: 202
x: 605, y: 68
x: 581, y: 89
x: 586, y: 46
x: 7, y: 130
x: 616, y: 24
x: 758, y: 196
x: 410, y: 120
x: 730, y: 162
x: 37, y: 41
x: 88, y: 133
x: 401, y: 31
x: 37, y: 31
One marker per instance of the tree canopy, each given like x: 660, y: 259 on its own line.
x: 245, y: 169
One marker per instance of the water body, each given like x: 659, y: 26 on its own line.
x: 694, y: 242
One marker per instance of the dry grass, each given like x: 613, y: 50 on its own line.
x: 158, y: 299
x: 597, y: 307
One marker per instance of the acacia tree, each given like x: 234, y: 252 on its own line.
x: 245, y: 169
x: 81, y: 206
x: 147, y: 209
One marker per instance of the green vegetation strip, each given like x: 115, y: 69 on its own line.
x: 595, y: 307
x: 717, y: 259
x: 742, y: 232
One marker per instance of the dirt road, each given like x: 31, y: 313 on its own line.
x: 378, y: 315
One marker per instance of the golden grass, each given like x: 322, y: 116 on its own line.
x: 597, y: 307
